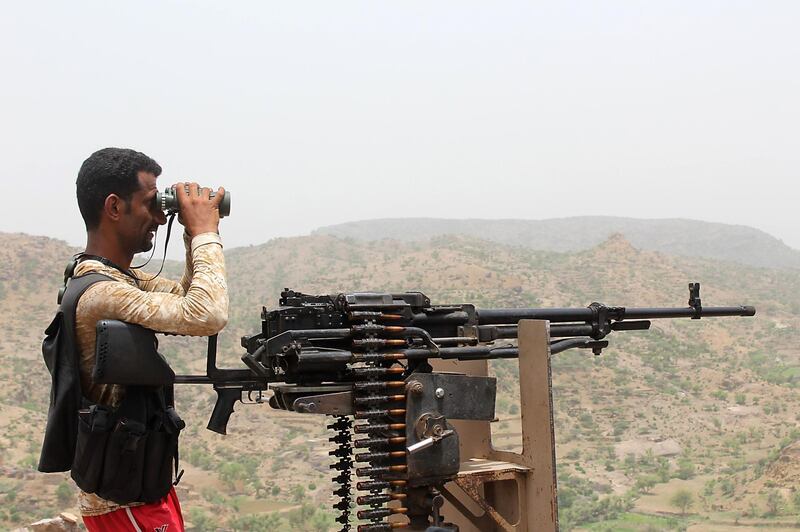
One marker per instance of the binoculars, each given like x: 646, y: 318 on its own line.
x: 168, y: 201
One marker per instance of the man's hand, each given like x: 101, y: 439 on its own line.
x: 199, y: 213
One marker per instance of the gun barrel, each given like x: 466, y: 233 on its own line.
x: 502, y: 316
x: 687, y: 312
x: 498, y: 316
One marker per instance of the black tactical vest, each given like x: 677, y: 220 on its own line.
x: 123, y: 454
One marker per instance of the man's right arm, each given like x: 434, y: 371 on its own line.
x: 202, y: 311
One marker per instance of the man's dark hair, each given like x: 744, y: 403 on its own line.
x: 109, y: 171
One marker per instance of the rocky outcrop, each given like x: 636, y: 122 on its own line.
x: 66, y: 522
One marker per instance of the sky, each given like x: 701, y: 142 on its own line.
x: 317, y: 113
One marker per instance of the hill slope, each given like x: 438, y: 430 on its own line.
x: 707, y: 405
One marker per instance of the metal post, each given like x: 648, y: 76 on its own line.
x: 503, y: 490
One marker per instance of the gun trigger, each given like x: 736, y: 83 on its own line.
x: 259, y: 397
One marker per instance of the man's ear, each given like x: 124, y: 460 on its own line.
x: 114, y: 207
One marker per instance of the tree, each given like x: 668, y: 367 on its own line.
x: 298, y: 493
x: 775, y: 502
x: 630, y: 463
x: 321, y: 522
x: 727, y: 486
x: 662, y: 469
x: 64, y: 493
x: 201, y: 520
x: 645, y: 483
x: 708, y: 487
x: 258, y: 522
x: 682, y: 499
x: 232, y: 473
x: 685, y: 469
x: 298, y: 519
x: 796, y: 500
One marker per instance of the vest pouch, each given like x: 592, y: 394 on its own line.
x: 162, y: 449
x: 157, y: 478
x: 124, y: 463
x: 50, y: 347
x: 94, y: 427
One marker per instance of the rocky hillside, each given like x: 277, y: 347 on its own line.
x: 690, y: 238
x: 705, y: 407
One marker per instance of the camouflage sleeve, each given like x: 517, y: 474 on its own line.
x: 201, y: 311
x: 186, y: 278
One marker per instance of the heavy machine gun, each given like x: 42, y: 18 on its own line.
x: 365, y: 358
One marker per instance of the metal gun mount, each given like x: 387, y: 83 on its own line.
x: 504, y: 490
x: 431, y: 400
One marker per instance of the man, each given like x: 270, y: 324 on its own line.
x: 116, y: 191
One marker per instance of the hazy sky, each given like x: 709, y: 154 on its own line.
x: 315, y: 113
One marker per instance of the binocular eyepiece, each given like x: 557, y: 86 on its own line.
x: 168, y: 201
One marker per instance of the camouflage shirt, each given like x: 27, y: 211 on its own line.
x: 195, y: 306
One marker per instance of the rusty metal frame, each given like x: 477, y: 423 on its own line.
x: 533, y: 497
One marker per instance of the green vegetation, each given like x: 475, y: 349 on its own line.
x: 634, y: 522
x: 774, y: 370
x: 579, y: 502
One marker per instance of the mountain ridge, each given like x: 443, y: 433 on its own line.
x: 736, y: 243
x: 677, y: 236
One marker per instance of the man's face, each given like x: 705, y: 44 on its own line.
x: 142, y: 217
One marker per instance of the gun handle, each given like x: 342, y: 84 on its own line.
x: 223, y: 408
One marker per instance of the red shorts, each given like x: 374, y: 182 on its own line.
x: 162, y: 516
